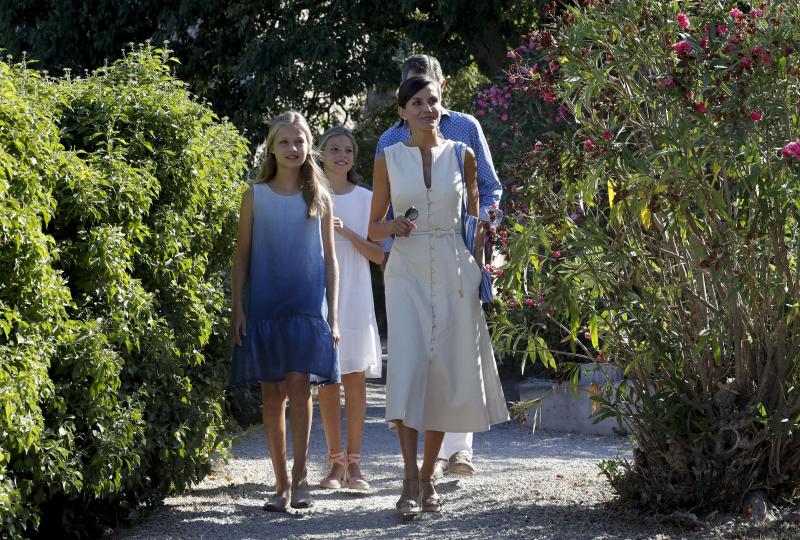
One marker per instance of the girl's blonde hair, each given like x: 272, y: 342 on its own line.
x: 352, y: 175
x: 314, y: 185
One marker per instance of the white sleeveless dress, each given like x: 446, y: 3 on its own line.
x: 441, y: 373
x: 359, y: 343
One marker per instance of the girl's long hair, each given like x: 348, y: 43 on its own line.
x: 352, y: 175
x: 314, y: 185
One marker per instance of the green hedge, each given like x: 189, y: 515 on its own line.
x: 118, y: 205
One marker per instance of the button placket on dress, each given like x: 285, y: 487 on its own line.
x: 431, y: 261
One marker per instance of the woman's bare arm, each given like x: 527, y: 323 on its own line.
x: 378, y: 228
x: 473, y: 200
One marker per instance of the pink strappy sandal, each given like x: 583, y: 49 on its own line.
x: 355, y: 483
x: 331, y: 481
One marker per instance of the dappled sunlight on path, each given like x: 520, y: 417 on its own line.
x: 542, y: 485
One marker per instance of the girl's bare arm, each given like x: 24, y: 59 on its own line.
x: 331, y: 272
x: 241, y: 266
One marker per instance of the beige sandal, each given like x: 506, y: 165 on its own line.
x: 331, y: 481
x: 358, y: 482
x: 407, y: 504
x: 431, y: 502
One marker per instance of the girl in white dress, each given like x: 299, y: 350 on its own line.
x: 359, y: 345
x: 441, y: 375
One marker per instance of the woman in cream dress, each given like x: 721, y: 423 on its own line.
x: 441, y: 371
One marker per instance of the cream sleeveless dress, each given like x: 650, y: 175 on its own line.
x: 359, y: 344
x: 441, y: 373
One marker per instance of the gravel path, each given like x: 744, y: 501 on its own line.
x: 542, y: 485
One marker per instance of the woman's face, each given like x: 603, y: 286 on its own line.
x: 338, y: 154
x: 290, y: 146
x: 422, y: 111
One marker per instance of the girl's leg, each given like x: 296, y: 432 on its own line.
x: 355, y: 407
x: 273, y: 410
x: 298, y: 388
x: 329, y: 405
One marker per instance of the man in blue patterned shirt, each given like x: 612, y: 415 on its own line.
x: 455, y: 456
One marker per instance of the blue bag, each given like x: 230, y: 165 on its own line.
x: 469, y: 226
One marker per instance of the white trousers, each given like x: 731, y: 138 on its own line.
x: 456, y: 442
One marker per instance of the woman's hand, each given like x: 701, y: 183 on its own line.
x: 238, y: 326
x: 402, y: 226
x: 338, y: 224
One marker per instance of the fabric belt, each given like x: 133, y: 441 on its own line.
x: 438, y: 233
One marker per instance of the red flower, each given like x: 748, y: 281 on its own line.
x: 756, y: 116
x: 700, y: 107
x: 588, y: 145
x: 683, y: 21
x: 529, y: 303
x: 737, y: 14
x: 607, y: 135
x: 683, y: 48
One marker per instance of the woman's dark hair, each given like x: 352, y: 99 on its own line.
x: 410, y: 87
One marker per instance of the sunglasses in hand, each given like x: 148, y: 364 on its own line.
x: 411, y: 214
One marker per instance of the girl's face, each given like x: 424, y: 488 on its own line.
x: 290, y: 146
x: 338, y: 154
x: 423, y: 111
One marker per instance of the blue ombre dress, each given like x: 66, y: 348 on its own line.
x: 285, y: 295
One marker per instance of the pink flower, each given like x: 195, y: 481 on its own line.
x: 704, y: 43
x: 587, y: 335
x: 511, y: 54
x: 538, y: 147
x: 683, y: 21
x: 513, y: 304
x: 756, y: 116
x: 588, y: 145
x: 548, y: 96
x: 499, y: 272
x: 557, y: 254
x: 756, y: 13
x: 504, y: 118
x: 700, y: 107
x: 480, y: 112
x: 791, y: 150
x: 745, y: 62
x: 682, y: 48
x: 528, y: 303
x: 737, y: 14
x: 607, y: 135
x: 722, y: 29
x: 669, y: 82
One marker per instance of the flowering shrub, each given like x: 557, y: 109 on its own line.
x: 118, y: 205
x: 663, y: 197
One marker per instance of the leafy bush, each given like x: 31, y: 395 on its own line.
x: 118, y: 204
x: 682, y: 155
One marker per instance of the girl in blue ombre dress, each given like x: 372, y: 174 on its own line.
x: 285, y: 255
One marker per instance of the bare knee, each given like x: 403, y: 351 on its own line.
x: 298, y: 386
x: 273, y: 397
